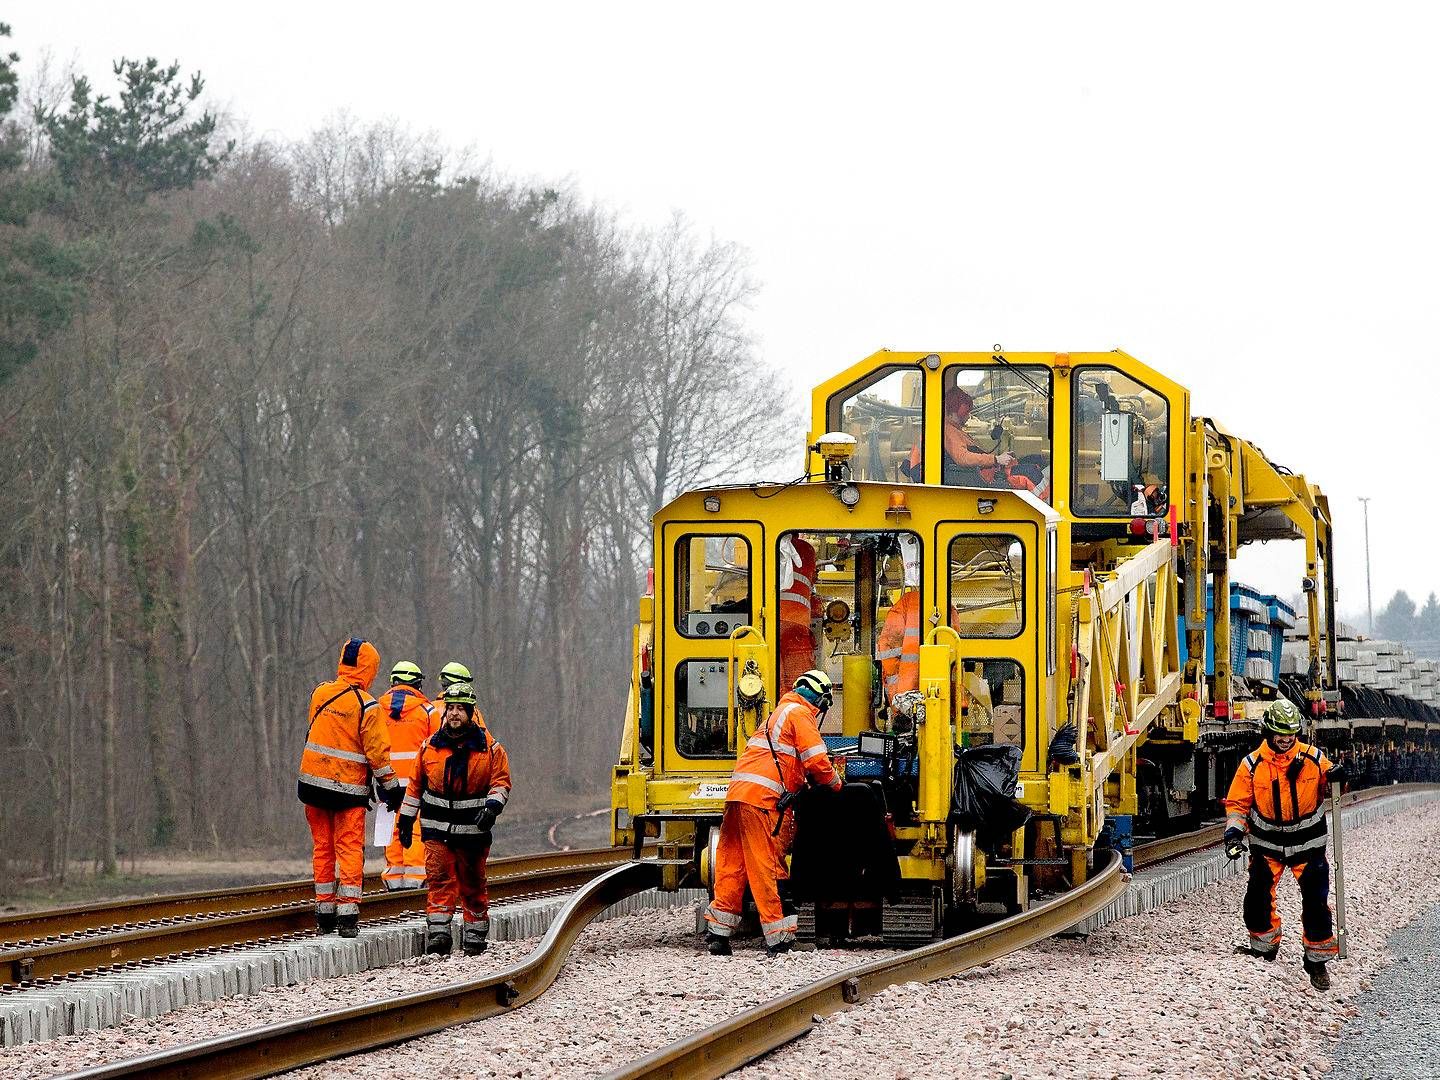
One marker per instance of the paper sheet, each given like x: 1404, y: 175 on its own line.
x: 385, y: 822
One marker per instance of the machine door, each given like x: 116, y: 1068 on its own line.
x: 708, y: 588
x: 990, y: 574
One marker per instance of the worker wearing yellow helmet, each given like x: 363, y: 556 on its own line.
x: 1278, y: 797
x: 782, y: 755
x: 411, y: 719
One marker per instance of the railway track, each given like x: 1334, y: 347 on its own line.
x: 714, y: 1051
x: 60, y: 943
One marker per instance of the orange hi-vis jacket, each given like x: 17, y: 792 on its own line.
x: 1280, y: 798
x: 347, y: 740
x: 798, y: 748
x: 410, y: 719
x: 455, y: 777
x: 898, y: 647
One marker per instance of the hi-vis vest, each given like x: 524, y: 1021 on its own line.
x: 797, y: 746
x: 410, y: 720
x: 898, y: 647
x: 1280, y: 798
x: 346, y: 741
x: 448, y: 813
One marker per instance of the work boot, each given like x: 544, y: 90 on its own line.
x: 1259, y: 954
x: 716, y: 945
x: 438, y: 943
x: 473, y: 942
x: 780, y: 948
x: 1319, y: 977
x: 348, y: 925
x: 324, y: 922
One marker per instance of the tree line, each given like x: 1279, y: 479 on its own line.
x: 1402, y: 620
x: 260, y: 397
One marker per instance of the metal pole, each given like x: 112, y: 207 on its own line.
x: 1369, y: 605
x: 1336, y: 826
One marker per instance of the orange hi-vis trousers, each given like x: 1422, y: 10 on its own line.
x: 404, y: 866
x: 455, y: 876
x: 1262, y: 918
x: 747, y: 853
x: 338, y: 858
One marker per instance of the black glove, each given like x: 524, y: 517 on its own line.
x: 405, y: 830
x: 485, y: 818
x: 393, y: 796
x: 1337, y: 775
x: 1233, y: 848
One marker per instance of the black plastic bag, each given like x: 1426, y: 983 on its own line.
x: 984, y: 790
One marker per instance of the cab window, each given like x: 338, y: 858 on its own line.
x: 993, y: 702
x: 987, y: 585
x: 1122, y: 446
x: 997, y: 410
x: 712, y: 585
x: 885, y: 413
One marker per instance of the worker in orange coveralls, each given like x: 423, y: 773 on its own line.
x: 462, y: 782
x: 1278, y: 794
x: 774, y: 764
x: 345, y: 745
x: 410, y: 719
x: 799, y: 604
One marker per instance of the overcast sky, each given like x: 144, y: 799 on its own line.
x: 1243, y: 196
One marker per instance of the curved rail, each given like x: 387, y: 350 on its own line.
x: 512, y: 878
x: 275, y: 1048
x: 750, y: 1034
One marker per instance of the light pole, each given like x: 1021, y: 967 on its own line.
x: 1369, y: 606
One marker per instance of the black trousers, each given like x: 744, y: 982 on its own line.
x: 1262, y: 918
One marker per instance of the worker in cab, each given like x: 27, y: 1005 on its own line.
x: 799, y: 606
x: 410, y: 720
x: 965, y: 464
x: 777, y: 761
x: 346, y: 745
x: 898, y: 645
x: 1278, y: 797
x: 462, y: 783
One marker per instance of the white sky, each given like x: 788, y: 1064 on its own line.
x: 1241, y: 195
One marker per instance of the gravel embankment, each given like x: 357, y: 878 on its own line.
x: 1158, y: 994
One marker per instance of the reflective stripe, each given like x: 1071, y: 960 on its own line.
x: 445, y: 826
x: 1320, y: 952
x: 384, y: 772
x: 1235, y: 820
x: 887, y: 654
x: 761, y: 743
x: 776, y: 932
x: 439, y: 918
x: 721, y: 923
x: 347, y: 909
x: 500, y: 795
x: 330, y: 751
x: 795, y: 598
x: 325, y: 907
x: 479, y: 925
x: 324, y: 888
x: 334, y: 785
x: 814, y: 751
x: 755, y: 778
x: 453, y: 804
x: 351, y: 890
x: 410, y: 803
x: 404, y: 755
x: 1269, y: 937
x: 1310, y: 820
x: 910, y: 658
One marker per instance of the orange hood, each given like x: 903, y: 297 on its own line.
x: 359, y: 661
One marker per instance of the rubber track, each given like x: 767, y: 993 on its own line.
x: 275, y: 1048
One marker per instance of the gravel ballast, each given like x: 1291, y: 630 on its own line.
x: 1156, y: 994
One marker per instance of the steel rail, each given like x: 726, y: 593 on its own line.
x: 1169, y: 847
x: 28, y: 926
x: 309, y: 1040
x: 748, y: 1035
x: 515, y: 878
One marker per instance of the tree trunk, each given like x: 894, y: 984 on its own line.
x: 108, y: 864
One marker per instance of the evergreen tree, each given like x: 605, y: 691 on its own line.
x: 38, y: 289
x: 1427, y: 623
x: 1397, y: 621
